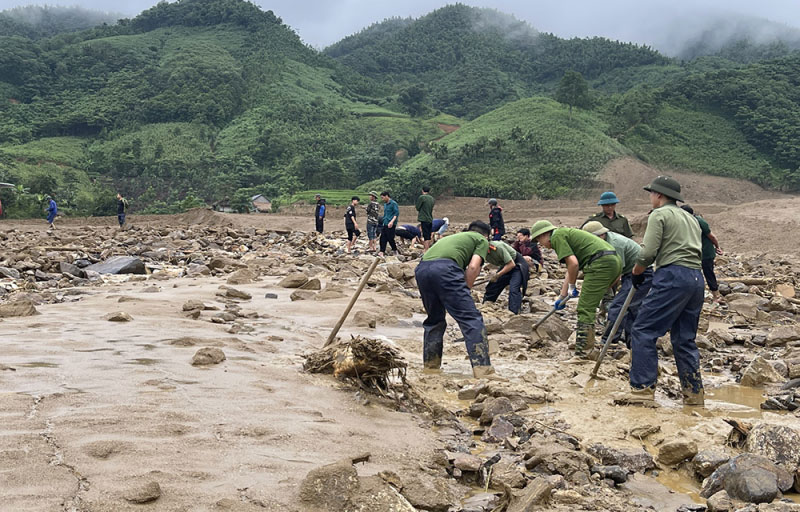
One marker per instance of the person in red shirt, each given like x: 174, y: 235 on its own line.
x: 528, y: 248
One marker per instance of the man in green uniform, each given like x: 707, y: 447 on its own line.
x: 710, y: 250
x: 424, y: 207
x: 444, y: 277
x: 601, y: 266
x: 672, y: 242
x: 513, y: 272
x: 609, y: 216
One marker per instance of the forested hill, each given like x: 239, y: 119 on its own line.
x: 472, y: 60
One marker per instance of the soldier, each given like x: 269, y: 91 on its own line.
x: 609, y: 216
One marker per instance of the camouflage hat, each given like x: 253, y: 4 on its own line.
x: 374, y: 194
x: 666, y: 185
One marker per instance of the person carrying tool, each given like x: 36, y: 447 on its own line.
x: 496, y: 220
x: 528, y: 248
x: 601, y: 267
x: 390, y: 213
x: 319, y: 213
x: 351, y: 224
x: 710, y: 250
x: 513, y: 272
x: 373, y: 220
x: 609, y: 217
x: 424, y: 208
x: 444, y: 277
x: 628, y: 252
x: 672, y: 242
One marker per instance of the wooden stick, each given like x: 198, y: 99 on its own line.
x: 747, y: 281
x: 353, y: 300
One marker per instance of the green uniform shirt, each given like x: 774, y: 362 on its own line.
x: 672, y: 238
x: 425, y: 208
x: 709, y: 252
x: 581, y: 244
x: 619, y: 224
x: 627, y: 250
x: 500, y: 253
x: 459, y: 248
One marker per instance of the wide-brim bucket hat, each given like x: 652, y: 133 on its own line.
x: 666, y: 185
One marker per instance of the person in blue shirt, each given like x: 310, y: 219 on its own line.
x: 319, y: 213
x: 440, y: 226
x: 52, y: 211
x: 390, y: 214
x: 409, y: 233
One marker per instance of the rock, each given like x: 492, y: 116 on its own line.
x: 19, y: 308
x: 197, y: 269
x: 242, y: 276
x: 467, y: 462
x: 119, y: 265
x: 293, y: 280
x: 718, y: 480
x: 271, y: 296
x: 507, y: 474
x: 426, y: 493
x: 644, y: 431
x: 329, y: 294
x: 233, y: 293
x: 365, y: 319
x: 329, y: 488
x: 499, y: 430
x: 783, y: 334
x: 753, y: 485
x: 778, y: 443
x: 720, y: 502
x: 758, y: 372
x: 633, y: 459
x: 746, y: 305
x: 721, y: 336
x: 482, y: 502
x: 302, y: 295
x: 146, y: 493
x: 677, y: 451
x: 69, y: 268
x: 536, y: 494
x: 219, y: 263
x: 9, y: 273
x: 376, y: 494
x: 615, y: 473
x: 495, y: 407
x: 706, y: 461
x: 312, y: 284
x: 192, y: 305
x: 208, y: 356
x: 119, y: 316
x: 105, y: 449
x: 785, y: 290
x: 472, y: 392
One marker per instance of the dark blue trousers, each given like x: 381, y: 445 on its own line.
x: 443, y: 289
x: 517, y: 282
x: 673, y: 305
x: 633, y: 308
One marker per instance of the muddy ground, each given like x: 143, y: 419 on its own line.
x: 104, y: 415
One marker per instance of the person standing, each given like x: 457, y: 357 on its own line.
x: 373, y: 220
x: 424, y: 208
x: 445, y: 277
x: 390, y: 213
x: 709, y: 254
x: 351, y: 224
x: 52, y: 212
x: 513, y: 272
x: 601, y: 267
x: 528, y: 248
x: 319, y: 213
x: 628, y: 252
x: 122, y: 205
x: 609, y: 216
x: 496, y: 220
x: 672, y: 242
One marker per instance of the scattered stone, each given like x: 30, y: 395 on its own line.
x: 119, y: 316
x: 753, y: 485
x: 783, y: 334
x: 472, y: 392
x: 293, y: 280
x: 615, y: 473
x: 677, y: 451
x: 146, y: 493
x: 9, y: 273
x: 426, y: 493
x: 467, y: 462
x: 19, y: 308
x: 242, y: 276
x: 499, y: 430
x: 778, y: 443
x: 69, y: 268
x: 759, y: 372
x: 706, y: 461
x: 312, y: 284
x: 720, y: 502
x: 536, y: 494
x: 119, y: 265
x: 330, y: 488
x: 785, y: 290
x: 632, y: 459
x: 302, y: 295
x: 271, y: 296
x: 644, y: 431
x: 365, y: 319
x: 208, y: 356
x: 233, y: 293
x: 724, y: 478
x: 482, y: 502
x: 495, y: 407
x: 192, y: 305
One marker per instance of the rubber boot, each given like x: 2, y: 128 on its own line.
x: 645, y: 397
x: 690, y: 398
x: 486, y: 372
x: 432, y: 366
x: 592, y: 352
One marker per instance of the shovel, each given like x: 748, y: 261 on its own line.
x: 548, y: 315
x: 613, y: 332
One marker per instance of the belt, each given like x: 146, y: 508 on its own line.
x: 596, y: 256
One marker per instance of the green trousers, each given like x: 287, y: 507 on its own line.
x: 597, y: 277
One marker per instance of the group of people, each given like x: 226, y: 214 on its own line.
x: 664, y: 276
x: 52, y: 211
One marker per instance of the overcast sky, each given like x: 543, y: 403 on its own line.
x: 322, y: 22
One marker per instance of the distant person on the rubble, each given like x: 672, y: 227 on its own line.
x: 319, y: 213
x: 424, y: 208
x: 609, y: 216
x: 390, y: 214
x: 672, y: 242
x: 628, y: 252
x: 373, y: 220
x: 351, y: 224
x: 122, y: 205
x: 513, y: 272
x: 496, y: 220
x: 409, y: 233
x: 52, y: 212
x: 710, y: 250
x: 528, y: 248
x: 444, y: 277
x: 440, y: 227
x: 601, y: 267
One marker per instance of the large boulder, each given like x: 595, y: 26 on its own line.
x: 676, y: 451
x: 495, y: 407
x: 635, y: 460
x: 293, y: 280
x: 747, y: 477
x: 19, y: 308
x: 759, y: 372
x: 119, y: 265
x: 778, y: 443
x: 330, y: 488
x: 73, y: 270
x: 782, y: 335
x: 755, y: 485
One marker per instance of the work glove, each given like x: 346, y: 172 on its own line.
x: 561, y: 303
x: 573, y: 291
x: 637, y: 280
x: 494, y: 277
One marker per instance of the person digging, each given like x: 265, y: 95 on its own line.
x: 672, y: 242
x: 601, y: 267
x: 513, y: 272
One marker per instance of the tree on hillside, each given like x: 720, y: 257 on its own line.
x: 573, y: 91
x: 412, y: 99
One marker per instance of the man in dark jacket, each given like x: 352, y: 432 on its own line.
x: 496, y: 220
x: 319, y: 213
x: 528, y: 248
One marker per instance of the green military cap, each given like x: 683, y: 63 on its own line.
x: 541, y: 227
x: 666, y: 185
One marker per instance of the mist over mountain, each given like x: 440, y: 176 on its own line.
x: 37, y: 21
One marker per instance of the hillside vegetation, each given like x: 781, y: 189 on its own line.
x: 213, y: 101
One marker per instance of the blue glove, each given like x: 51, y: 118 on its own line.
x: 561, y: 303
x: 574, y: 291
